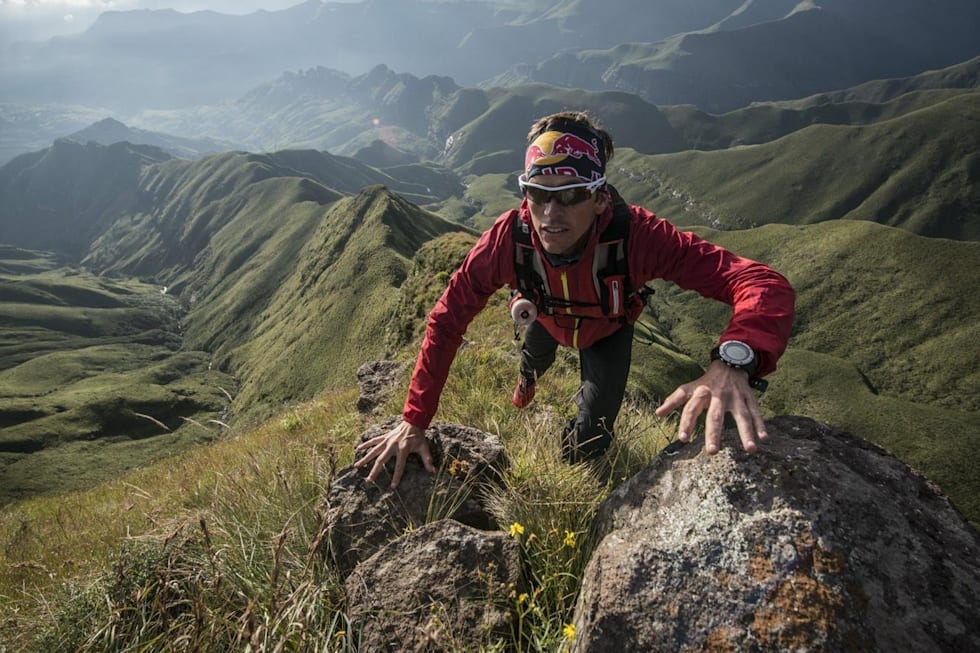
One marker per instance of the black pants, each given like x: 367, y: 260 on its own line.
x: 604, y: 369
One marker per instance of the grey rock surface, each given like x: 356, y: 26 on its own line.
x: 818, y: 542
x: 362, y: 516
x: 443, y: 587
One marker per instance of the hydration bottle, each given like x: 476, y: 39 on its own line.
x: 522, y: 310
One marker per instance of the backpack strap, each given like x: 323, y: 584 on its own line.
x: 531, y: 278
x: 610, y: 265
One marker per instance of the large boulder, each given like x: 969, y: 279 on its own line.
x: 818, y: 542
x: 361, y: 517
x: 443, y: 587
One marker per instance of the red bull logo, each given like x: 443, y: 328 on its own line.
x: 553, y: 147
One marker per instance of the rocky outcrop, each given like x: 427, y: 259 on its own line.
x: 818, y: 542
x: 361, y: 517
x: 443, y: 587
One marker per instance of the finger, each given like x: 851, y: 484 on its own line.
x: 379, y: 464
x: 757, y: 420
x: 369, y: 456
x: 713, y: 422
x: 746, y: 426
x: 427, y: 459
x: 400, y: 461
x: 367, y: 444
x: 692, y: 410
x: 676, y: 399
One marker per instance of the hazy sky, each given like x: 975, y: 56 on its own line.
x: 29, y: 20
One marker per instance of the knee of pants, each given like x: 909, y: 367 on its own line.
x: 596, y: 406
x: 539, y: 364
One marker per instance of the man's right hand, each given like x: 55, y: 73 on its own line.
x: 400, y: 441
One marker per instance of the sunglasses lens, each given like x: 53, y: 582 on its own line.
x: 564, y: 197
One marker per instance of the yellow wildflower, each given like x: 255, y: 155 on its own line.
x: 569, y: 631
x: 570, y: 539
x: 516, y: 529
x: 522, y: 598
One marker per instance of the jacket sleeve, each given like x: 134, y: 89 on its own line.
x: 762, y: 300
x: 487, y: 267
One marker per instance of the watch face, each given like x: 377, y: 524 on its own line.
x: 736, y: 353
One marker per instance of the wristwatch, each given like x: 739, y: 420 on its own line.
x: 737, y: 354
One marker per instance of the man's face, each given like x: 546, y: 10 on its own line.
x: 563, y: 230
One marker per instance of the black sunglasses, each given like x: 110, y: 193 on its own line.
x: 564, y: 196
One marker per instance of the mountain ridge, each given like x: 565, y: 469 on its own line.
x: 474, y: 41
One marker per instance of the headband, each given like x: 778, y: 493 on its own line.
x: 566, y: 148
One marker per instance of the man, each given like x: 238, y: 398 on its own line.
x: 559, y: 238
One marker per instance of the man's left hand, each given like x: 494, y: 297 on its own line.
x: 722, y: 389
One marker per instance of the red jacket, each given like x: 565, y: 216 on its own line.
x: 761, y: 298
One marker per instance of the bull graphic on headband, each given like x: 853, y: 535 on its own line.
x: 566, y: 149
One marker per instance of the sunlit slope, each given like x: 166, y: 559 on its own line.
x: 273, y: 264
x: 329, y: 314
x: 189, y: 202
x: 918, y: 172
x: 766, y: 121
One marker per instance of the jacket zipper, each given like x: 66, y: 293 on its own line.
x: 615, y: 296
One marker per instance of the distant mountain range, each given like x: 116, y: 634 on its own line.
x: 110, y: 130
x: 715, y: 54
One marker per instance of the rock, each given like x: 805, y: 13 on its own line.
x: 818, y: 542
x: 361, y: 516
x: 442, y: 587
x: 376, y: 381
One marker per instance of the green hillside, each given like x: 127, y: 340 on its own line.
x: 106, y: 373
x: 764, y: 122
x: 93, y: 378
x: 61, y: 197
x: 328, y: 314
x: 279, y: 284
x: 202, y: 517
x: 965, y: 75
x: 867, y: 103
x: 918, y: 172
